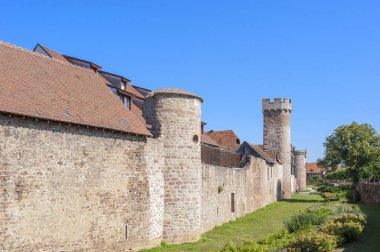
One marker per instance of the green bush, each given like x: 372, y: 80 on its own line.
x: 249, y: 246
x: 343, y: 174
x: 334, y: 189
x: 346, y: 208
x: 346, y: 231
x: 336, y: 195
x: 305, y: 220
x: 354, y: 217
x: 280, y: 240
x: 315, y: 241
x: 319, y: 228
x: 328, y: 196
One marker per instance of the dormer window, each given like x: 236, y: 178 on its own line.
x: 123, y: 83
x: 237, y: 141
x: 127, y: 102
x: 123, y: 86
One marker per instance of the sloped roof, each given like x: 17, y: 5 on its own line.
x: 312, y: 168
x: 269, y: 156
x: 38, y: 86
x: 226, y: 139
x: 54, y: 54
x: 129, y: 88
x: 254, y: 149
x: 205, y: 139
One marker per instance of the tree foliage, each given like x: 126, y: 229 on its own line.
x: 342, y: 174
x: 355, y: 146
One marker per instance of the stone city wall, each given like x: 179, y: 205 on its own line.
x: 71, y: 188
x: 229, y: 193
x: 369, y: 193
x: 176, y: 120
x: 219, y: 157
x: 67, y: 188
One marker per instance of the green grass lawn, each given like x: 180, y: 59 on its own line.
x: 254, y: 226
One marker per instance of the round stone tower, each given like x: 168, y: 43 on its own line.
x: 175, y: 116
x: 277, y: 135
x: 300, y: 169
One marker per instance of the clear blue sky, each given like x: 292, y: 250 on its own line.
x: 323, y: 54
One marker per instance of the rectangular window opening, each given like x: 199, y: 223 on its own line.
x: 232, y: 202
x: 126, y: 232
x: 271, y: 172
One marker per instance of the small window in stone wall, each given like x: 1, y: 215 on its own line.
x: 195, y: 138
x: 126, y: 232
x: 271, y: 171
x: 232, y: 202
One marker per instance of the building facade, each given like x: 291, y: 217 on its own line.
x: 90, y: 162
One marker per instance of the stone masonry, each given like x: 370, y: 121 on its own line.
x: 300, y: 169
x: 68, y: 187
x: 91, y: 162
x: 176, y: 119
x: 277, y: 135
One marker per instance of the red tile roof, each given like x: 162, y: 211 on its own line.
x: 130, y: 89
x: 313, y: 168
x: 38, y: 86
x: 54, y: 54
x: 226, y: 139
x: 269, y: 156
x: 205, y: 139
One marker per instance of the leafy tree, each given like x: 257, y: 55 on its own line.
x: 342, y: 174
x: 372, y: 171
x: 355, y: 146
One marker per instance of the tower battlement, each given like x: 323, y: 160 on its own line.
x: 277, y: 104
x: 300, y: 153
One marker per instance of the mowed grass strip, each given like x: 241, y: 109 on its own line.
x: 254, y: 226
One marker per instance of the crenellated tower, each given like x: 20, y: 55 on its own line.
x: 300, y: 168
x: 175, y: 116
x: 277, y: 135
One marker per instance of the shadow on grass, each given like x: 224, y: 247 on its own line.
x: 303, y: 200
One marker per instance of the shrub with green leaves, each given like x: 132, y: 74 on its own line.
x: 248, y: 246
x: 305, y: 220
x: 315, y: 241
x: 347, y: 231
x: 330, y: 196
x: 280, y: 240
x: 354, y: 217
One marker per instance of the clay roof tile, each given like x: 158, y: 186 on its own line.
x: 38, y: 86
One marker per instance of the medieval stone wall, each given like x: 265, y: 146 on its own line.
x: 69, y: 188
x: 229, y: 193
x: 300, y: 169
x: 277, y: 135
x: 72, y: 188
x: 369, y: 193
x: 176, y: 120
x: 219, y: 157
